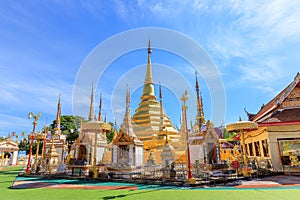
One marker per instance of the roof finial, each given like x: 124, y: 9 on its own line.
x: 160, y: 92
x: 58, y: 114
x: 149, y: 47
x: 100, y: 108
x: 200, y: 111
x: 148, y: 90
x: 91, y: 114
x: 161, y: 108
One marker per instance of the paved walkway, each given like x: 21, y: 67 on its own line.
x: 275, y: 182
x: 271, y: 181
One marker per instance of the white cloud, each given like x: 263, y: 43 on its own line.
x: 278, y: 17
x: 11, y: 121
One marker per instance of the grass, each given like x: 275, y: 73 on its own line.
x: 8, y: 174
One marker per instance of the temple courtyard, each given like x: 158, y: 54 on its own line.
x: 13, y: 186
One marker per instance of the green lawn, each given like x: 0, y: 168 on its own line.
x: 8, y: 174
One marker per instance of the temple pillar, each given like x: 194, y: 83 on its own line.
x: 218, y: 152
x: 115, y: 154
x: 76, y: 152
x: 205, y: 153
x: 88, y: 154
x: 131, y: 162
x: 14, y: 158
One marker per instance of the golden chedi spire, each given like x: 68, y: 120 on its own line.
x: 148, y: 91
x: 161, y: 109
x: 91, y: 113
x: 146, y: 121
x: 100, y: 109
x: 200, y: 111
x: 58, y: 115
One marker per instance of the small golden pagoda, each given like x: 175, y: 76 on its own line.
x: 149, y: 121
x: 51, y: 159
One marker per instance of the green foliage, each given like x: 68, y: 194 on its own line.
x: 110, y: 135
x: 229, y: 135
x: 25, y: 145
x: 69, y: 126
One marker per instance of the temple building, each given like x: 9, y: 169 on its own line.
x: 89, y: 148
x: 10, y: 147
x: 203, y: 139
x: 127, y: 149
x: 150, y: 123
x: 276, y: 144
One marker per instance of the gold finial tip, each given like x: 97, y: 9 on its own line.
x: 149, y: 47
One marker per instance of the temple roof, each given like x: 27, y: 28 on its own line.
x: 8, y: 145
x: 287, y: 102
x: 95, y: 126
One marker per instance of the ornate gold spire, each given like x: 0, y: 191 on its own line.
x: 148, y: 83
x: 91, y: 114
x: 58, y: 114
x: 126, y: 127
x: 100, y: 109
x: 126, y: 119
x: 200, y: 112
x: 161, y: 109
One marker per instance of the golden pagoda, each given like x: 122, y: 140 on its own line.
x: 149, y: 122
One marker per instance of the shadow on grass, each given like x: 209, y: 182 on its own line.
x: 126, y: 195
x: 17, y: 170
x: 9, y: 173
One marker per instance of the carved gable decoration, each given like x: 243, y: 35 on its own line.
x: 122, y: 137
x: 211, y: 133
x: 8, y: 146
x: 286, y: 99
x: 293, y: 99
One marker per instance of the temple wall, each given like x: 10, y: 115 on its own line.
x: 278, y: 134
x: 139, y: 156
x: 274, y: 135
x: 196, y: 153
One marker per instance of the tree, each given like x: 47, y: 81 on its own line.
x: 69, y: 126
x: 24, y: 145
x: 229, y: 135
x: 110, y: 135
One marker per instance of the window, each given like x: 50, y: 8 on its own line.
x: 265, y: 148
x: 257, y: 148
x: 246, y: 146
x: 250, y: 149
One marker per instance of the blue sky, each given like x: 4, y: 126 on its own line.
x: 43, y: 45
